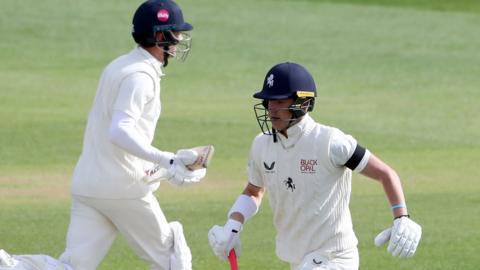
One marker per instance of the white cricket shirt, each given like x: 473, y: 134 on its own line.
x: 105, y: 170
x: 308, y: 187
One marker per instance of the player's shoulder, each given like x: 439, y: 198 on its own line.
x: 131, y: 60
x: 121, y: 60
x: 261, y: 140
x: 326, y: 130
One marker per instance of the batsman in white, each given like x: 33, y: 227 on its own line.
x: 307, y: 169
x: 109, y: 191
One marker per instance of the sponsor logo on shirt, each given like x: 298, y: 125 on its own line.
x: 269, y: 168
x: 289, y: 184
x: 308, y: 165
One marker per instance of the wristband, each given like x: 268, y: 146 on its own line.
x: 245, y: 206
x: 398, y: 205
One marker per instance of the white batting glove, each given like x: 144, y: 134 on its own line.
x: 177, y: 174
x: 186, y: 156
x: 224, y: 239
x: 180, y: 175
x: 403, y: 237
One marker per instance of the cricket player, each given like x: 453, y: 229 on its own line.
x: 306, y: 167
x: 109, y: 191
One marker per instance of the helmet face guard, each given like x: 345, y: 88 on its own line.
x: 298, y: 109
x: 263, y: 119
x: 182, y: 42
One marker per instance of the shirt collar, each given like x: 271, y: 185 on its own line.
x: 296, y: 131
x: 156, y: 64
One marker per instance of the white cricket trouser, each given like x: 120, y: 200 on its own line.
x: 343, y: 260
x: 94, y: 224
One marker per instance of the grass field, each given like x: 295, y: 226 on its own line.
x: 403, y: 77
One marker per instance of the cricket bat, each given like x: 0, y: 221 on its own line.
x: 205, y: 154
x: 232, y: 259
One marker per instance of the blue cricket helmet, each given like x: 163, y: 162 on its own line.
x: 155, y: 16
x: 287, y: 80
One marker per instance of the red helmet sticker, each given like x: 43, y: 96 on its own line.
x: 163, y: 15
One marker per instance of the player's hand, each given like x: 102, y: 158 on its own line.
x: 223, y: 239
x: 180, y: 175
x: 186, y: 156
x: 403, y: 237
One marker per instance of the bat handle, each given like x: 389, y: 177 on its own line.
x: 232, y: 258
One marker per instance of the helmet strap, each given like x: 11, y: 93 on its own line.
x: 167, y: 40
x: 301, y: 106
x: 165, y: 56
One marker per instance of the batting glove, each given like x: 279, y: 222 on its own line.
x: 224, y: 239
x: 186, y: 156
x: 403, y: 237
x: 180, y: 175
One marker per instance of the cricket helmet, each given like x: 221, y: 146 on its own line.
x: 154, y: 16
x: 284, y: 81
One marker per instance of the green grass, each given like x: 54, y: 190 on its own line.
x: 401, y: 76
x: 437, y: 5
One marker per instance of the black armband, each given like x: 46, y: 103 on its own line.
x: 407, y: 215
x: 355, y: 159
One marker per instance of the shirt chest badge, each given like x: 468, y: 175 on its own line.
x: 308, y: 166
x: 269, y: 167
x: 289, y: 184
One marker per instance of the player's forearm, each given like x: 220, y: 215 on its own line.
x: 394, y: 192
x: 237, y: 216
x: 247, y: 204
x: 123, y: 134
x: 256, y: 193
x: 378, y: 170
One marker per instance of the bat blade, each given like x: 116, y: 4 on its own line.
x: 205, y: 154
x: 232, y: 258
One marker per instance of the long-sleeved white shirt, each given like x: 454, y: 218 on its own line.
x: 120, y: 128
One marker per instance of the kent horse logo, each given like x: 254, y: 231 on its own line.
x: 289, y: 183
x: 269, y: 168
x: 270, y: 80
